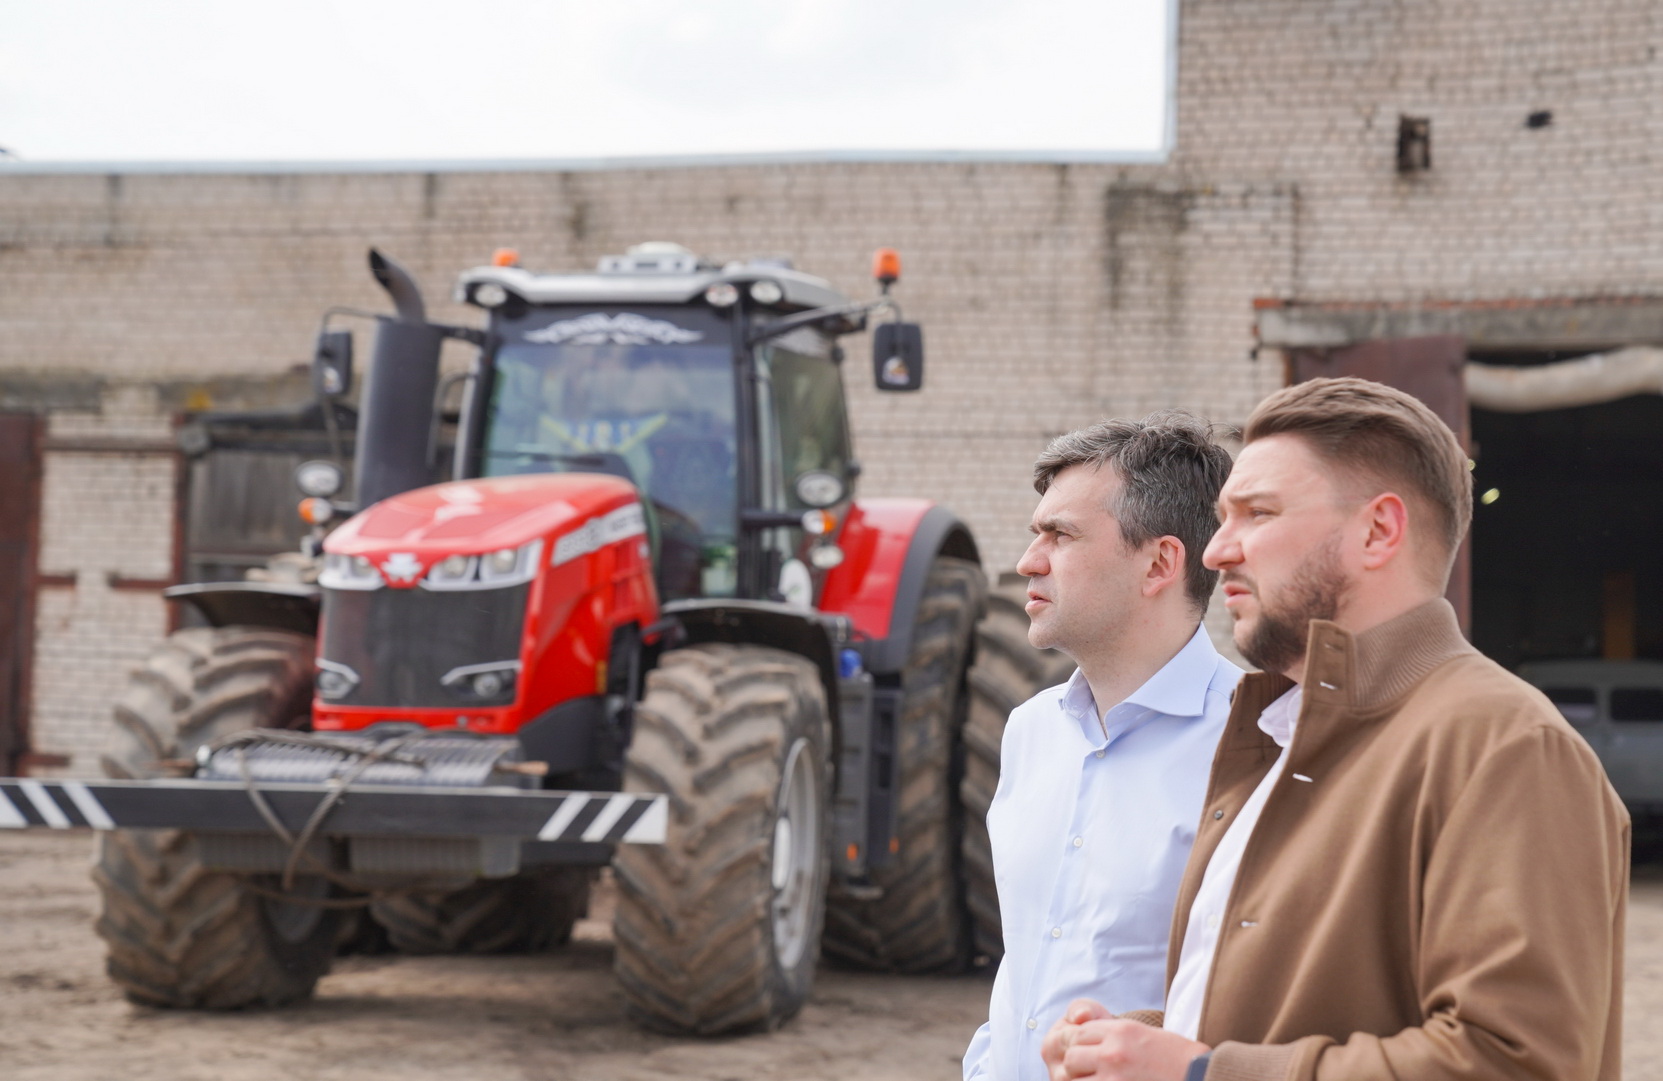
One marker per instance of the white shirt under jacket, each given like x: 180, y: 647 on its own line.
x: 1091, y: 825
x: 1195, y: 957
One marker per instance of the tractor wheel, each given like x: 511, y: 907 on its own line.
x: 718, y: 929
x: 178, y: 934
x: 918, y: 924
x: 1008, y: 671
x: 524, y: 914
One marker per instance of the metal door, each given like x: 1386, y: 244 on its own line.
x: 1431, y: 370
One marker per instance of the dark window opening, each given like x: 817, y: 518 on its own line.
x: 1414, y: 144
x: 1637, y: 703
x: 1580, y: 705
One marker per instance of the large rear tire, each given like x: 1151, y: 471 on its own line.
x: 919, y: 923
x: 1008, y: 671
x: 178, y: 934
x: 717, y: 930
x: 524, y: 914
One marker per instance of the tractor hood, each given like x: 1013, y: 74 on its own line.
x: 473, y: 517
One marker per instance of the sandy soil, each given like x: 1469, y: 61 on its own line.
x: 509, y: 1018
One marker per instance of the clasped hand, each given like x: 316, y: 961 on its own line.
x: 1089, y: 1041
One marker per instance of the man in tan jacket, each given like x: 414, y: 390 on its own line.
x: 1409, y: 867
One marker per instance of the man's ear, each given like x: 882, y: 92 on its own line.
x: 1166, y: 565
x: 1385, y: 521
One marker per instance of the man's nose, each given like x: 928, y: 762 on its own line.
x: 1222, y: 551
x: 1032, y: 564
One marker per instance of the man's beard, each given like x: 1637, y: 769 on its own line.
x: 1278, y: 640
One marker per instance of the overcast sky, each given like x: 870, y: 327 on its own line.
x: 323, y: 80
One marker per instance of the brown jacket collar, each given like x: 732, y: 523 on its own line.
x: 1360, y: 672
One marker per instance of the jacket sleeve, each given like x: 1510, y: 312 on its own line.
x: 1519, y: 964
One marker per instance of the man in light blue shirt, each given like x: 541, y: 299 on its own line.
x: 1101, y: 779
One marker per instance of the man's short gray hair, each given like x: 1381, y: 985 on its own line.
x: 1170, y: 472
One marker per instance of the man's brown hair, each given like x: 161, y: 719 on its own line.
x: 1384, y: 438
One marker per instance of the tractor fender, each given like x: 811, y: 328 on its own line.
x: 802, y: 631
x: 764, y: 623
x: 888, y: 546
x: 284, y: 606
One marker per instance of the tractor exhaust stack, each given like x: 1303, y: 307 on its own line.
x: 395, y: 414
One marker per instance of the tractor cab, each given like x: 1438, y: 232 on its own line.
x: 701, y: 385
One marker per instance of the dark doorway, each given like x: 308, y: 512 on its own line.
x: 1567, y: 530
x: 19, y: 516
x: 1427, y: 368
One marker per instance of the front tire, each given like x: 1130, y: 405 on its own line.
x: 717, y: 930
x: 919, y: 924
x: 177, y: 933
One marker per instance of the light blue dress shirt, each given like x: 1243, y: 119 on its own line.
x: 1090, y: 834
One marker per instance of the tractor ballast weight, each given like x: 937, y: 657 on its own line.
x: 647, y: 596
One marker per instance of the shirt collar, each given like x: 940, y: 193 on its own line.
x: 1278, y: 719
x: 1178, y: 689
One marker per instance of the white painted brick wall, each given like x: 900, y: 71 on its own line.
x: 1051, y: 295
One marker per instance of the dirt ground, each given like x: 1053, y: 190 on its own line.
x: 554, y: 1016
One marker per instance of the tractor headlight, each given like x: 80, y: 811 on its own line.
x: 319, y: 479
x: 349, y: 572
x: 490, y: 295
x: 452, y: 572
x: 818, y: 488
x: 510, y: 566
x: 482, y: 682
x: 335, y: 680
x: 494, y: 570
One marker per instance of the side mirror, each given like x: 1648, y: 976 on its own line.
x: 332, y: 364
x: 898, y: 356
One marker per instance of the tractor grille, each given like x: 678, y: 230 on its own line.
x: 316, y: 758
x: 400, y: 643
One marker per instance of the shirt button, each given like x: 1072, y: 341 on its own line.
x: 1032, y: 1024
x: 1217, y: 815
x: 1099, y: 754
x: 1056, y: 932
x: 1078, y: 841
x: 1212, y: 922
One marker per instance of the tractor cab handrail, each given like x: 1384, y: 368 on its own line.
x: 856, y: 312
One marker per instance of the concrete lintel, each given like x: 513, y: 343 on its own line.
x: 1487, y: 326
x: 85, y: 392
x: 50, y: 392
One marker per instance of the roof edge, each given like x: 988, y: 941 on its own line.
x: 594, y: 164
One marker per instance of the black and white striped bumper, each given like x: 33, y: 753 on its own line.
x: 369, y: 810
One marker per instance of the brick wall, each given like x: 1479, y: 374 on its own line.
x: 1051, y: 294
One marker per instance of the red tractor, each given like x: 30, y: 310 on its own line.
x: 647, y: 625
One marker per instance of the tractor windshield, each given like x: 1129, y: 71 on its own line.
x: 662, y: 416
